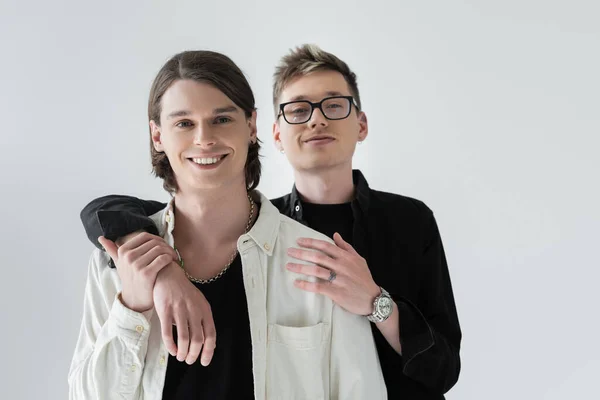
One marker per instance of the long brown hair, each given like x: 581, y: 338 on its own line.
x: 219, y: 71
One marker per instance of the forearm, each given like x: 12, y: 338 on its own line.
x: 112, y: 339
x: 111, y: 364
x: 430, y: 348
x: 116, y: 216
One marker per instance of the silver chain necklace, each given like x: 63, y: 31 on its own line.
x: 233, y: 256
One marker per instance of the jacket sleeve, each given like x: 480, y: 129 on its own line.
x: 355, y: 371
x: 109, y: 356
x: 430, y: 333
x: 115, y: 216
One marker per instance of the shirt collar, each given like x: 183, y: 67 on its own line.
x: 361, y: 196
x: 266, y: 228
x: 262, y: 234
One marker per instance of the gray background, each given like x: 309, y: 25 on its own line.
x: 488, y: 111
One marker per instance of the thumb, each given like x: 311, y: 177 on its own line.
x: 110, y: 247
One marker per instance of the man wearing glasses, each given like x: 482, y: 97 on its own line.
x: 388, y: 262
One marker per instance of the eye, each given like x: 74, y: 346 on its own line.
x: 184, y: 124
x: 222, y: 120
x: 300, y: 110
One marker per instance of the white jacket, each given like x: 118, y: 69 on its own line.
x: 303, y: 345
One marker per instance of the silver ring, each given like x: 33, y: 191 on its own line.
x: 332, y: 276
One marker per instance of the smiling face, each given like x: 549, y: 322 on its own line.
x: 319, y: 143
x: 203, y: 85
x: 204, y: 135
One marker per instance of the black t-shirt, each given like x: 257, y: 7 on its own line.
x: 229, y: 375
x: 330, y: 218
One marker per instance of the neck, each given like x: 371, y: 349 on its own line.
x: 211, y: 218
x: 331, y: 186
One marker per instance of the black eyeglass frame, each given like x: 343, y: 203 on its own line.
x: 317, y: 105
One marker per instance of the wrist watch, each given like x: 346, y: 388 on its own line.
x: 383, y: 305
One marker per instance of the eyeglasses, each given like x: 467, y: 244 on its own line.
x: 300, y: 112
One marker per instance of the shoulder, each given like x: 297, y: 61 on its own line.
x: 293, y: 229
x: 399, y: 205
x: 409, y: 218
x: 282, y: 203
x: 402, y: 202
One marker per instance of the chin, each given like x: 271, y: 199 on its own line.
x: 318, y: 164
x: 200, y: 186
x: 217, y: 180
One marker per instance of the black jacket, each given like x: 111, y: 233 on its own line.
x: 399, y: 238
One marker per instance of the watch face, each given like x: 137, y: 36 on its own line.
x: 384, y: 306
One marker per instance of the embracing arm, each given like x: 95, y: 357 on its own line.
x: 115, y: 216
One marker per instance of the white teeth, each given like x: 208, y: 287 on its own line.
x: 206, y: 161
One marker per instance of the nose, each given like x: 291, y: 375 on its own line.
x: 204, y: 136
x: 317, y: 119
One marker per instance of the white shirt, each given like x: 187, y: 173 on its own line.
x: 303, y: 345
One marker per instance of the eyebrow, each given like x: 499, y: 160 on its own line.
x: 225, y: 110
x: 185, y: 113
x: 327, y: 94
x: 177, y: 114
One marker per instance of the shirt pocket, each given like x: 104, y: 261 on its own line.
x: 298, y: 362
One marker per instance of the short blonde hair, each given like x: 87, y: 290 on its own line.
x: 309, y: 58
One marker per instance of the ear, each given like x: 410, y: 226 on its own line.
x: 252, y: 126
x: 156, y: 138
x: 277, y: 135
x: 363, y: 126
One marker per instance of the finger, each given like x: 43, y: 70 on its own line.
x: 173, y: 253
x: 196, y: 339
x: 137, y: 241
x: 132, y: 254
x: 183, y: 334
x: 313, y: 257
x: 143, y: 255
x: 311, y: 270
x: 166, y: 327
x: 315, y: 287
x: 210, y: 338
x: 340, y: 242
x: 196, y: 333
x: 160, y: 242
x: 143, y: 242
x: 156, y: 266
x: 110, y: 247
x: 151, y: 255
x: 328, y: 248
x: 124, y: 239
